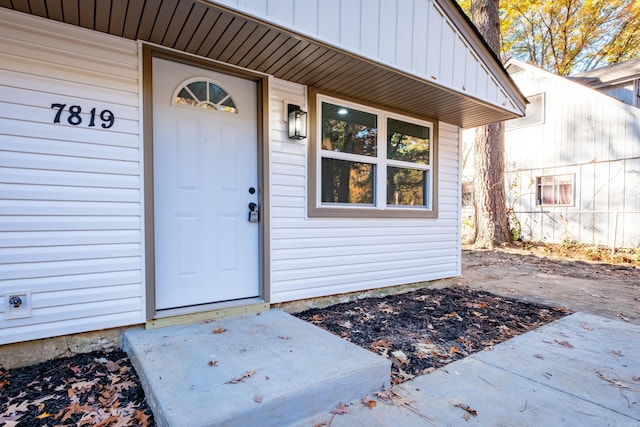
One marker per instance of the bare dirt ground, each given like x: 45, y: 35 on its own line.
x: 609, y: 290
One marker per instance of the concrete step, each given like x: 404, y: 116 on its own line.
x: 270, y: 369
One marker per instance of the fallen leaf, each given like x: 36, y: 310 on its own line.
x: 617, y: 353
x: 75, y: 369
x: 399, y: 359
x: 401, y: 376
x: 141, y: 417
x: 241, y: 378
x: 479, y: 315
x: 565, y: 343
x: 623, y: 317
x: 125, y: 385
x: 467, y: 408
x: 369, y: 402
x: 257, y: 398
x: 346, y: 324
x: 112, y: 366
x: 454, y: 349
x: 316, y: 318
x: 80, y: 385
x: 282, y: 337
x: 614, y: 382
x: 538, y: 356
x: 212, y: 363
x: 340, y: 409
x: 382, y: 343
x: 219, y: 331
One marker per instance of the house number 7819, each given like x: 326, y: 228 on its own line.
x: 74, y: 118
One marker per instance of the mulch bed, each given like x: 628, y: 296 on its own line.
x: 93, y: 389
x: 429, y: 328
x: 419, y: 331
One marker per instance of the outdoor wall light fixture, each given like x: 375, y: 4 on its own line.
x: 297, y: 122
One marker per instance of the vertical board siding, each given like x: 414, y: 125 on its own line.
x: 319, y: 256
x: 414, y: 36
x: 70, y: 196
x: 587, y: 134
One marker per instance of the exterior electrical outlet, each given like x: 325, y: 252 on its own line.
x: 17, y: 305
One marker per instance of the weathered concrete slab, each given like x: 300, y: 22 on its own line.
x: 292, y: 370
x: 582, y: 370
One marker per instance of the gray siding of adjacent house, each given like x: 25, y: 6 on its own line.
x: 586, y: 134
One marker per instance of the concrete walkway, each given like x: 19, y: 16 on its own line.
x: 276, y: 370
x: 583, y: 370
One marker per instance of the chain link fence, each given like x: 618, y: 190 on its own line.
x: 615, y: 229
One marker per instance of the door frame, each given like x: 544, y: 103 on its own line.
x: 148, y: 53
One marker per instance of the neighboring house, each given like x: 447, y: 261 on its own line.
x: 148, y: 172
x: 572, y: 164
x: 621, y: 81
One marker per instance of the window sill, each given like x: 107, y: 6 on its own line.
x: 371, y: 213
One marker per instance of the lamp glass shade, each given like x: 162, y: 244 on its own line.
x: 297, y: 122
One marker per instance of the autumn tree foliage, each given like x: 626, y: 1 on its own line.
x: 561, y: 36
x: 567, y: 36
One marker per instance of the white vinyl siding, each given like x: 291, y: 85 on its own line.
x: 70, y: 198
x: 413, y: 36
x: 317, y: 256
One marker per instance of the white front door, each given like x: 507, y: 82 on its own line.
x: 205, y: 165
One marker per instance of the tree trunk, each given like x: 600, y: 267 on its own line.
x: 490, y: 222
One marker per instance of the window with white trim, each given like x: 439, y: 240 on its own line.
x: 555, y: 190
x: 368, y: 159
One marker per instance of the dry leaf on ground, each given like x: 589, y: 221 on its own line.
x: 241, y: 378
x: 340, y: 409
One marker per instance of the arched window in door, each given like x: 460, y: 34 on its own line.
x: 204, y: 93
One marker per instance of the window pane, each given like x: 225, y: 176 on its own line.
x: 199, y: 89
x: 347, y: 182
x: 405, y: 187
x: 547, y: 195
x: 216, y: 93
x: 407, y: 142
x: 185, y: 98
x: 348, y: 130
x: 555, y: 190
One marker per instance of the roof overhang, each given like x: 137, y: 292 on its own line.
x: 217, y: 32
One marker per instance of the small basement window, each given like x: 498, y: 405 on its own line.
x: 369, y: 162
x: 555, y: 190
x: 205, y: 94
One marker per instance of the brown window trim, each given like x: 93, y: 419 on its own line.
x: 313, y: 210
